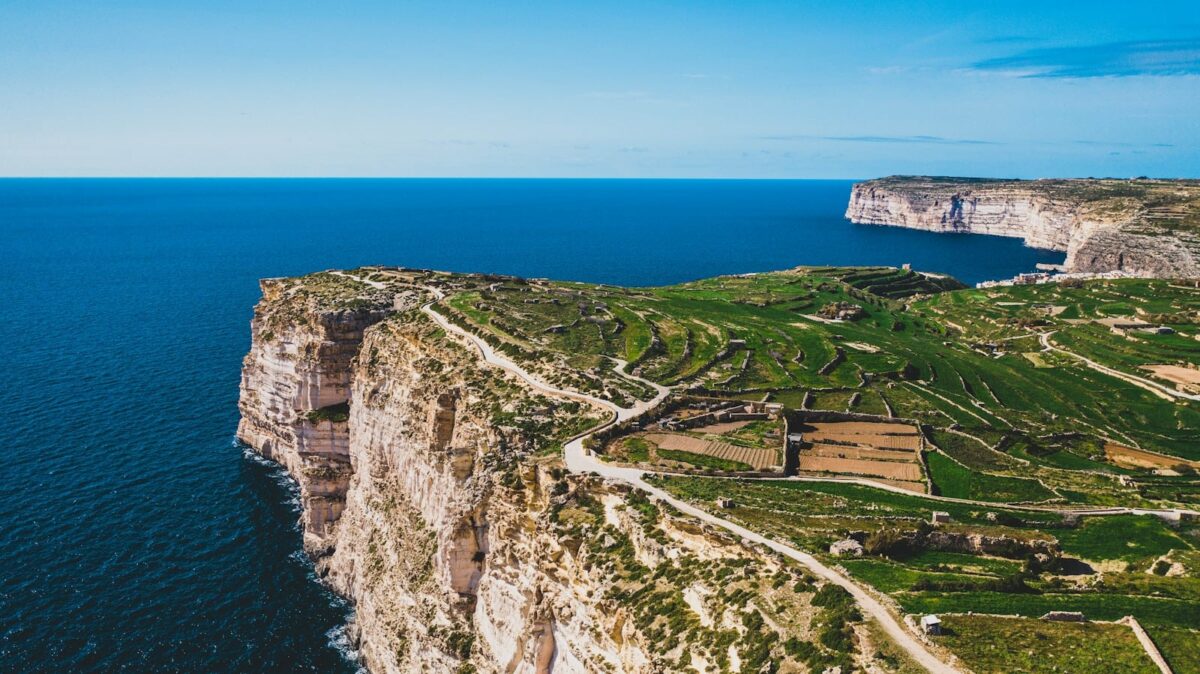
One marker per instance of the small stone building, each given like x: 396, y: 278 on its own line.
x: 931, y: 625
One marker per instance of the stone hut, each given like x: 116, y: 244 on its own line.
x: 931, y: 625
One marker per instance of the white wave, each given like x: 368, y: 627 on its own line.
x: 340, y: 641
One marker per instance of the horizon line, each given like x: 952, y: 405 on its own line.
x: 582, y: 178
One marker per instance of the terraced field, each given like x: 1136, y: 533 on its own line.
x: 1030, y: 424
x: 755, y: 457
x: 927, y: 570
x: 888, y: 451
x: 943, y: 358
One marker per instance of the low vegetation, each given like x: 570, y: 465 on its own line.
x: 999, y: 645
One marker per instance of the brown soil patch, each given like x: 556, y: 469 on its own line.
x: 887, y: 469
x: 916, y: 487
x: 880, y: 427
x: 884, y: 451
x: 854, y: 452
x: 1175, y: 374
x: 902, y: 442
x: 879, y: 435
x: 1137, y: 458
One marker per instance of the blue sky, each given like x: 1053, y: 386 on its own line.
x: 614, y: 89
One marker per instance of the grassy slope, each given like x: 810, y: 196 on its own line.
x: 990, y: 644
x: 682, y: 334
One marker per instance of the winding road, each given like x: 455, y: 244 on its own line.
x: 1164, y: 392
x: 579, y: 460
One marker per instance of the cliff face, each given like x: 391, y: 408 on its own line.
x: 1145, y: 228
x: 460, y: 552
x: 300, y: 363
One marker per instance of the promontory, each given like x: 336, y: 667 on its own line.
x: 1143, y: 227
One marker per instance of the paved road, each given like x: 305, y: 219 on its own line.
x: 580, y: 460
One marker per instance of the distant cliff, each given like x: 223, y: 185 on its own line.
x: 1143, y: 227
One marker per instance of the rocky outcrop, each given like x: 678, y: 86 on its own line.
x: 1142, y: 227
x: 298, y: 365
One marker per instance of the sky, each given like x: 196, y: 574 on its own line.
x: 737, y: 89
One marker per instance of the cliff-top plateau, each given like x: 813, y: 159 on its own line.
x: 1140, y: 226
x: 813, y: 470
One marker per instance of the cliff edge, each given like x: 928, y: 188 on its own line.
x: 434, y: 498
x: 1147, y: 228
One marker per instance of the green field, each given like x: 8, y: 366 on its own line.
x: 929, y: 357
x: 1125, y: 537
x: 1148, y: 610
x: 995, y: 645
x: 957, y: 481
x: 1179, y: 647
x: 812, y: 515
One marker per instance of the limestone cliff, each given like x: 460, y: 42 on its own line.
x: 429, y: 503
x: 296, y: 376
x: 1143, y: 227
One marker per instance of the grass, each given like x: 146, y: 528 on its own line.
x: 994, y: 644
x: 836, y: 498
x: 890, y: 577
x: 938, y: 560
x: 971, y: 451
x: 682, y: 334
x: 957, y: 481
x: 1096, y: 606
x: 1126, y: 537
x: 755, y: 434
x: 637, y: 449
x: 1180, y: 647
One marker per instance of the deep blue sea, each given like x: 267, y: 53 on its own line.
x: 135, y: 535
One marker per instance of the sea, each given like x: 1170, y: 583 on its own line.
x: 136, y: 535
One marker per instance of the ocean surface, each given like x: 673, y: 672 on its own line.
x: 135, y: 534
